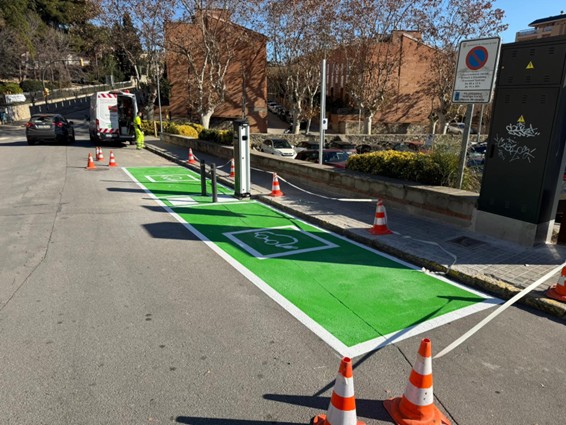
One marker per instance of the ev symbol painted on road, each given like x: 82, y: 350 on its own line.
x: 278, y: 240
x: 477, y: 58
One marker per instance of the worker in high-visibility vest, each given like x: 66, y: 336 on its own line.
x: 139, y: 132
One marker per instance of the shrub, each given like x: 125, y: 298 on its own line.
x: 223, y: 137
x: 10, y: 88
x: 187, y: 130
x: 147, y: 127
x: 197, y: 127
x: 31, y: 85
x: 438, y: 167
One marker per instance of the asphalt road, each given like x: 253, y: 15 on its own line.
x: 113, y: 314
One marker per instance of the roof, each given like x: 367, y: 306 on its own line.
x: 549, y: 19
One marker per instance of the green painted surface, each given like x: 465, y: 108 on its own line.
x: 354, y: 293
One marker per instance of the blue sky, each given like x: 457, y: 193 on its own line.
x: 520, y: 13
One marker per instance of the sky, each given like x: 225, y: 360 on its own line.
x: 520, y: 13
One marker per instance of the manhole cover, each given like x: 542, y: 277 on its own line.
x: 466, y: 241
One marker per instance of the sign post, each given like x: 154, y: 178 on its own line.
x: 475, y: 79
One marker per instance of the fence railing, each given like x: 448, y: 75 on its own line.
x: 59, y: 94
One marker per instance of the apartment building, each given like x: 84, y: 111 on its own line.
x: 543, y: 28
x: 245, y: 80
x: 410, y: 71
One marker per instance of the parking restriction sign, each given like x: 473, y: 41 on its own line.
x: 475, y: 70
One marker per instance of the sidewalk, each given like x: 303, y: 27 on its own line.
x: 495, y: 266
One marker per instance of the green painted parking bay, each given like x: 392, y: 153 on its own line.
x: 355, y: 298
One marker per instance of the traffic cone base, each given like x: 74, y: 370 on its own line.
x: 321, y: 420
x: 99, y: 155
x: 554, y: 293
x: 404, y: 412
x: 558, y: 292
x: 275, y: 189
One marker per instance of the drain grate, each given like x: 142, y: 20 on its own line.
x: 466, y: 241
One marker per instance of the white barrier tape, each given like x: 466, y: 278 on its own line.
x: 365, y: 200
x: 498, y: 311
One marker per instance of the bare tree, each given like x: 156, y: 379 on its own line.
x: 149, y: 18
x: 371, y: 52
x: 207, y: 42
x: 445, y: 23
x: 302, y: 33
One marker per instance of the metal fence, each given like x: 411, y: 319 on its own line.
x: 66, y: 93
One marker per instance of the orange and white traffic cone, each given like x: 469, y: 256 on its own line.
x: 342, y: 409
x: 275, y: 189
x: 112, y: 162
x: 558, y: 291
x: 191, y: 159
x: 90, y: 164
x: 380, y: 221
x: 99, y: 155
x: 232, y: 168
x: 416, y: 406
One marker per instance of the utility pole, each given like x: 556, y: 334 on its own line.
x: 322, y: 108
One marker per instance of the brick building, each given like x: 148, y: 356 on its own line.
x: 245, y: 79
x: 412, y: 65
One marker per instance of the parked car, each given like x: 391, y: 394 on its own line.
x: 306, y: 145
x: 365, y: 148
x: 339, y: 144
x: 49, y: 128
x: 476, y: 154
x: 280, y: 147
x: 458, y: 128
x: 335, y: 157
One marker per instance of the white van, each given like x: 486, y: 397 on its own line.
x: 112, y: 116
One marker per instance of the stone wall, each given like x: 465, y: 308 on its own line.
x: 443, y: 203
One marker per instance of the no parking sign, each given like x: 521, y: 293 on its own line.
x: 475, y: 70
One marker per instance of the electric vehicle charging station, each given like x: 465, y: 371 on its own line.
x: 242, y: 177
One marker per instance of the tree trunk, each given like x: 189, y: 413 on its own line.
x: 367, y: 124
x: 205, y: 118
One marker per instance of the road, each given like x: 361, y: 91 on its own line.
x: 112, y: 312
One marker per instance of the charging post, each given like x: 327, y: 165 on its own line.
x: 241, y: 141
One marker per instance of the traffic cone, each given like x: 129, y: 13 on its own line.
x: 342, y: 409
x: 275, y: 190
x: 99, y: 155
x: 90, y: 165
x: 112, y: 162
x: 191, y: 159
x: 380, y: 221
x: 558, y: 291
x: 232, y: 168
x: 416, y: 406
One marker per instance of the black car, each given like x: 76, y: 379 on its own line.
x: 49, y: 128
x: 339, y: 144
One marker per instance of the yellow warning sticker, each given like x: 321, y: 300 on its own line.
x: 530, y: 66
x: 521, y: 119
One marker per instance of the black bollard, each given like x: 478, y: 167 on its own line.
x: 202, y: 177
x: 213, y: 181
